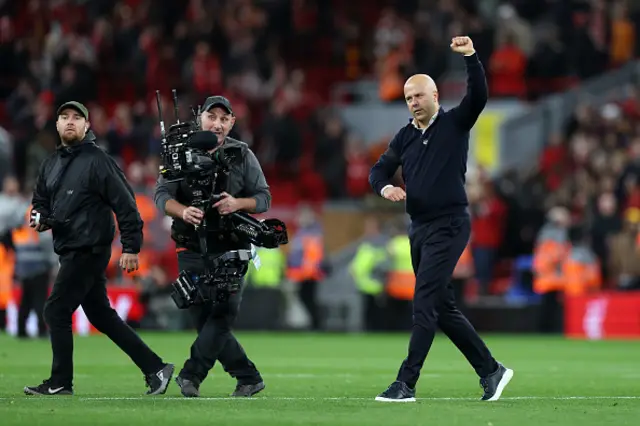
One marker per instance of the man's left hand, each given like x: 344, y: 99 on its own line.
x: 228, y: 204
x: 462, y: 45
x: 129, y: 262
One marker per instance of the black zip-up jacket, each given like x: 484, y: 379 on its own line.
x: 434, y: 160
x: 81, y: 187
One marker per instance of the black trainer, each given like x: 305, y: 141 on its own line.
x: 244, y: 390
x: 188, y: 388
x: 158, y: 382
x: 494, y: 384
x: 397, y: 392
x: 47, y: 388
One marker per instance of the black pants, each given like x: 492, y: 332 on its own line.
x: 459, y: 285
x: 215, y: 340
x: 308, y: 293
x: 374, y: 312
x: 436, y: 247
x: 34, y: 294
x: 81, y: 280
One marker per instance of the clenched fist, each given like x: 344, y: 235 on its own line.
x: 462, y: 45
x: 394, y: 193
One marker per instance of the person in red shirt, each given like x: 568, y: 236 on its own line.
x: 507, y: 68
x: 487, y: 230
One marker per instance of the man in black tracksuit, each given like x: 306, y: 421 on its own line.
x: 432, y: 150
x: 78, y: 189
x: 246, y: 190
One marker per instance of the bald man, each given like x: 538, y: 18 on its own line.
x: 432, y: 151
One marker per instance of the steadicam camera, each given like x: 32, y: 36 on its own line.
x: 191, y: 154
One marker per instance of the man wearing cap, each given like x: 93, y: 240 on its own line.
x: 247, y: 191
x: 78, y: 189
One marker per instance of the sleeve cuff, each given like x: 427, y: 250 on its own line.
x: 473, y: 58
x: 261, y: 204
x: 383, y: 188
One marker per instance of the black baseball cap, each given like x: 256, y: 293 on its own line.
x: 77, y: 106
x: 220, y: 101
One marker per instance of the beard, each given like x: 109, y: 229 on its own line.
x: 71, y: 137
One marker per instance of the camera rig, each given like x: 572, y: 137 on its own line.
x: 193, y: 155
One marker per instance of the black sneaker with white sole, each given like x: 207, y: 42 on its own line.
x: 47, y: 388
x: 188, y: 388
x: 158, y: 382
x: 494, y: 384
x: 397, y: 392
x: 247, y: 390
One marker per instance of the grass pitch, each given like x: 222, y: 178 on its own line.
x: 331, y: 380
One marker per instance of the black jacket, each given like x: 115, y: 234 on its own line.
x: 81, y: 187
x: 246, y: 180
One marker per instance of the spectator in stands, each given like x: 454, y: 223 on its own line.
x: 605, y: 224
x: 547, y: 65
x: 488, y: 218
x: 623, y: 35
x: 282, y: 137
x: 6, y: 153
x: 204, y: 70
x: 588, y: 48
x: 357, y: 167
x: 520, y: 31
x: 507, y: 66
x: 553, y: 162
x: 329, y: 156
x: 624, y: 267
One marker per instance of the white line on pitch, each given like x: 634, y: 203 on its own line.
x: 284, y: 398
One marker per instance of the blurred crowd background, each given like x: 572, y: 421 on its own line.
x: 566, y: 222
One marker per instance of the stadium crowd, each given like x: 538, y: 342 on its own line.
x: 276, y: 61
x: 590, y: 173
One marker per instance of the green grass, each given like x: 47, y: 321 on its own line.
x: 331, y: 380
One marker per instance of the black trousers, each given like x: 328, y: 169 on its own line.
x: 459, y: 285
x: 81, y: 281
x: 436, y: 247
x: 34, y: 295
x: 215, y: 340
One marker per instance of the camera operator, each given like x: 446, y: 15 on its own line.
x: 246, y: 190
x: 78, y: 189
